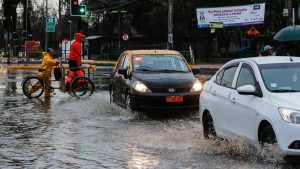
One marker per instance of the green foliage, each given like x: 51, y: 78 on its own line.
x: 35, y: 54
x: 56, y: 54
x: 7, y: 55
x: 150, y: 18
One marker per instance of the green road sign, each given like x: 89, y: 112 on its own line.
x: 50, y: 24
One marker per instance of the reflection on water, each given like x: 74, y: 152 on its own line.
x: 64, y: 132
x: 141, y: 160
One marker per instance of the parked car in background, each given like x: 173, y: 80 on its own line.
x: 255, y: 98
x: 154, y: 79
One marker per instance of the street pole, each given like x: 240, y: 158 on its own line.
x: 290, y: 12
x: 46, y: 36
x: 59, y: 21
x: 119, y: 12
x: 25, y: 52
x: 70, y: 30
x: 26, y: 19
x: 119, y: 31
x: 170, y: 24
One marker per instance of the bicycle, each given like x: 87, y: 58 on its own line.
x: 81, y: 86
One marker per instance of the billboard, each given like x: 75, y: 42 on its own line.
x: 231, y: 15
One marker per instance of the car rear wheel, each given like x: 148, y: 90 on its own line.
x: 268, y: 136
x: 208, y: 127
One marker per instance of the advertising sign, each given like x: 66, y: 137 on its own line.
x: 32, y: 45
x: 231, y: 15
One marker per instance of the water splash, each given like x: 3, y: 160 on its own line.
x: 243, y: 150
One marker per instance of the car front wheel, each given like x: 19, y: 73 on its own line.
x: 208, y: 127
x: 268, y: 136
x: 130, y: 105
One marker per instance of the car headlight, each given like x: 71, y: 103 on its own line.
x: 197, y: 86
x: 290, y: 115
x: 140, y: 87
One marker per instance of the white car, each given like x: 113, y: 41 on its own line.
x: 255, y: 98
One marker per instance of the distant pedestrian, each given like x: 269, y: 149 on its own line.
x: 253, y: 34
x: 268, y: 51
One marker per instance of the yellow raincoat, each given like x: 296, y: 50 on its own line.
x: 45, y: 74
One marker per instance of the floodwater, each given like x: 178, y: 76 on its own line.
x: 64, y: 132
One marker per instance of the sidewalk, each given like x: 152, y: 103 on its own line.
x: 208, y: 66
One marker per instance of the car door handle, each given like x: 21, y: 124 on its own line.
x: 214, y: 92
x: 232, y: 100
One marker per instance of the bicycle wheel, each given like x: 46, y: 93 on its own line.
x: 33, y: 87
x: 82, y: 87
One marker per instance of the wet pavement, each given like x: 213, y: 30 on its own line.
x: 64, y: 132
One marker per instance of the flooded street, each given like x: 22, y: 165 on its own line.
x: 64, y: 132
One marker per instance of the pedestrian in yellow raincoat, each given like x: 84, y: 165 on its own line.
x: 45, y: 73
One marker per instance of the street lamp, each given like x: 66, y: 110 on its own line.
x: 70, y: 30
x: 26, y: 19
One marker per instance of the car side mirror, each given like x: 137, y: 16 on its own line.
x: 195, y: 70
x: 247, y: 90
x: 125, y: 72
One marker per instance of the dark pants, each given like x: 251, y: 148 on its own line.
x: 74, y: 71
x: 73, y: 65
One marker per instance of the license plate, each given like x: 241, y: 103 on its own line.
x: 174, y: 99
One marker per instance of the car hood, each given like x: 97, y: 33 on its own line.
x: 288, y: 100
x: 166, y: 79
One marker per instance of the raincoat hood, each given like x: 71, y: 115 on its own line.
x: 78, y: 36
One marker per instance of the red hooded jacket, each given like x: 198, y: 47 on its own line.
x: 75, y: 50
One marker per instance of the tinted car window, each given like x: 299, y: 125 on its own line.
x: 159, y: 63
x: 228, y: 76
x: 245, y: 77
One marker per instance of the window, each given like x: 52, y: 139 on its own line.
x: 120, y: 61
x: 126, y: 62
x: 219, y: 77
x: 228, y: 76
x: 281, y: 77
x: 246, y: 76
x: 159, y: 63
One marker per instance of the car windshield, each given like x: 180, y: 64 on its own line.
x: 159, y: 63
x: 281, y: 77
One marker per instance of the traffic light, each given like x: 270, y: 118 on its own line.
x: 15, y: 35
x: 76, y: 9
x: 24, y: 35
x: 15, y: 38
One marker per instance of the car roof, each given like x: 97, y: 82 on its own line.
x: 135, y: 52
x: 271, y: 59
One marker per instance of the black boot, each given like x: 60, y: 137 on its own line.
x: 67, y: 87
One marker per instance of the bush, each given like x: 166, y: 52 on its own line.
x: 56, y: 54
x: 6, y: 55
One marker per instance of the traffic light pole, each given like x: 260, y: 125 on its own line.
x: 25, y: 50
x: 170, y: 25
x: 46, y: 36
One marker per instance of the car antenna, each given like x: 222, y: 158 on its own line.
x: 154, y: 46
x: 291, y: 59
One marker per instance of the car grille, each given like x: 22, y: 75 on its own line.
x: 166, y: 89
